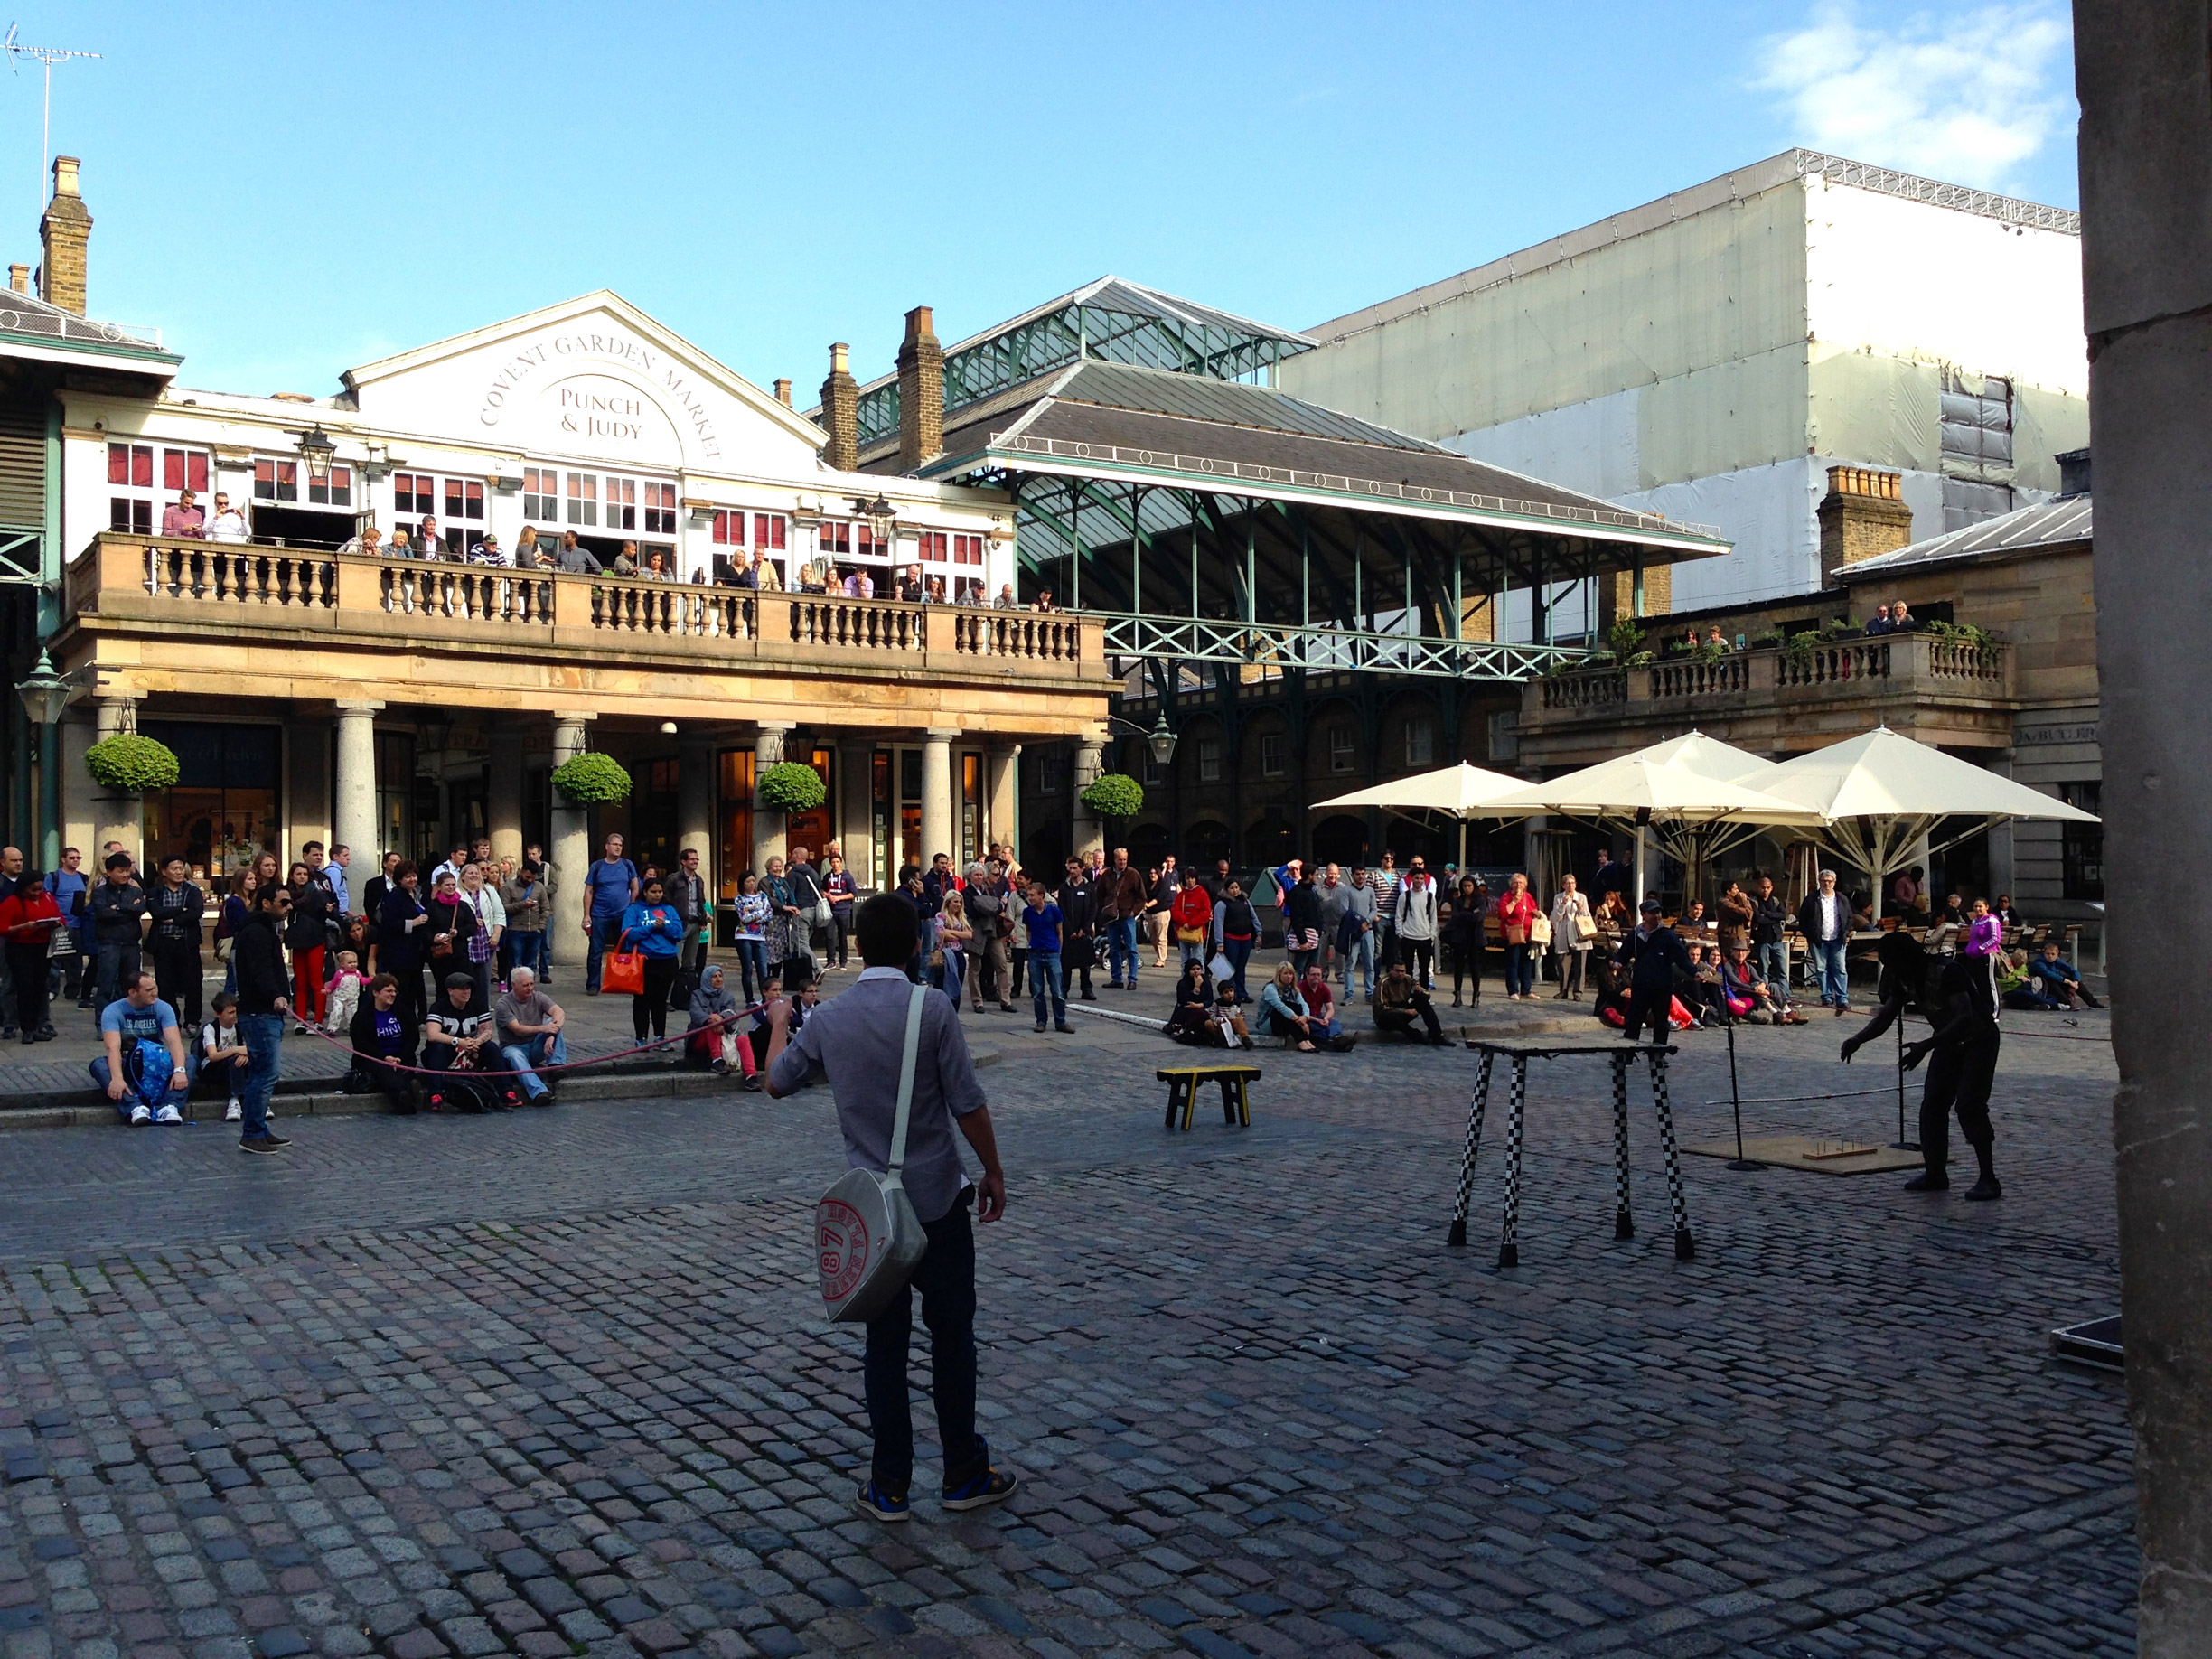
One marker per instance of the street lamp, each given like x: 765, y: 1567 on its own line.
x: 1160, y: 740
x: 882, y: 518
x: 317, y: 451
x: 44, y: 693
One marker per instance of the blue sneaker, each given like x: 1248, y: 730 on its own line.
x: 990, y: 1487
x: 875, y: 1501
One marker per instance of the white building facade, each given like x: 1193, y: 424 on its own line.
x: 1711, y: 354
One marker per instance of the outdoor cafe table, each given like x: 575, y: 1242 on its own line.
x: 1520, y: 1050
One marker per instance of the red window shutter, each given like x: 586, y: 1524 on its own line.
x: 142, y: 467
x: 119, y: 464
x: 196, y: 469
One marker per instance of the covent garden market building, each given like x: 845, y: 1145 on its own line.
x: 1199, y: 531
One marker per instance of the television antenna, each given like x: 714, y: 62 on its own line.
x: 49, y: 56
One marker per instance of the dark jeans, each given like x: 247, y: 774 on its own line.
x: 116, y: 962
x: 1402, y: 1019
x: 1649, y: 1007
x: 1419, y: 958
x: 1046, y: 977
x: 526, y: 951
x: 946, y: 1280
x: 1520, y: 970
x: 653, y: 1006
x: 176, y: 970
x: 1959, y: 1079
x: 841, y: 934
x: 751, y: 966
x: 606, y: 933
x: 27, y: 965
x: 264, y: 1055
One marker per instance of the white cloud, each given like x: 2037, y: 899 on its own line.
x: 1965, y: 97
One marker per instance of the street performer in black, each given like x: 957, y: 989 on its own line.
x: 1653, y: 955
x: 1957, y: 994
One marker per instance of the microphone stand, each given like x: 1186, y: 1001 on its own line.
x: 1739, y: 1163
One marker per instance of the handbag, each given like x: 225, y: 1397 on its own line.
x: 867, y: 1236
x: 1540, y: 929
x: 1585, y: 927
x: 1078, y: 953
x: 1190, y: 935
x: 623, y: 971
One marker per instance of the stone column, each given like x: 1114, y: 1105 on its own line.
x: 695, y: 798
x: 115, y: 817
x: 768, y: 828
x: 1002, y: 797
x: 1090, y: 761
x: 503, y: 793
x: 2146, y: 146
x: 939, y: 816
x: 571, y: 849
x: 353, y: 796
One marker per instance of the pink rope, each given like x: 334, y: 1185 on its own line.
x: 382, y: 1064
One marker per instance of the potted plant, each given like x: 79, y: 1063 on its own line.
x: 131, y: 764
x: 1114, y: 795
x: 791, y: 786
x: 590, y: 779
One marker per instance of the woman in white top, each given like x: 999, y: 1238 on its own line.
x: 1569, y: 941
x: 954, y: 934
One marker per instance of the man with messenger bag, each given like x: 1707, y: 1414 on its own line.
x: 897, y: 1064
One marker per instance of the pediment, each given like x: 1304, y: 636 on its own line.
x: 595, y: 378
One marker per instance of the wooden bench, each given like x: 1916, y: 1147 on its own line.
x: 1184, y: 1082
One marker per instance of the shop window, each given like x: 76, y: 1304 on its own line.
x: 967, y: 550
x: 621, y: 496
x: 540, y: 494
x: 333, y: 489
x: 414, y: 495
x: 276, y: 481
x: 222, y: 813
x: 1051, y: 768
x: 1270, y: 754
x: 2080, y: 849
x: 464, y: 499
x: 834, y: 539
x: 1155, y: 775
x: 659, y: 509
x: 582, y: 498
x: 733, y: 786
x: 971, y: 810
x: 1340, y: 749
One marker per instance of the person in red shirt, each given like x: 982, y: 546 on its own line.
x: 28, y: 918
x: 1191, y: 916
x: 1516, y: 912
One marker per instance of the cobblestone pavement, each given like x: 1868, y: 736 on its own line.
x: 556, y: 1384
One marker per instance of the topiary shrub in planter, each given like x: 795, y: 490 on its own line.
x: 791, y: 786
x: 589, y: 779
x: 132, y: 764
x: 1116, y: 794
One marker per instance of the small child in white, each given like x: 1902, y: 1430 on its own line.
x: 222, y: 1053
x: 345, y: 999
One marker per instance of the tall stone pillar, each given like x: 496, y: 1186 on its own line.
x: 695, y: 796
x: 1002, y: 796
x: 940, y: 818
x: 503, y: 798
x: 353, y: 795
x: 571, y: 849
x: 2146, y: 150
x: 768, y: 828
x: 115, y: 817
x: 1090, y: 763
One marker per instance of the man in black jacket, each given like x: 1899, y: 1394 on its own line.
x: 1825, y: 921
x: 1769, y: 914
x: 687, y: 890
x: 1652, y: 955
x: 1078, y: 902
x: 177, y: 907
x: 118, y: 904
x: 258, y: 952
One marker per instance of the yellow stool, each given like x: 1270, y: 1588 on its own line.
x: 1184, y: 1082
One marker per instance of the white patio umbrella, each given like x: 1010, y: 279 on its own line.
x: 1687, y: 792
x: 1461, y: 792
x: 1880, y: 792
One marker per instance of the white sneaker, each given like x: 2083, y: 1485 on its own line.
x: 168, y: 1114
x: 141, y: 1115
x: 235, y: 1112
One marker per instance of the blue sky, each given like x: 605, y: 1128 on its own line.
x: 288, y: 191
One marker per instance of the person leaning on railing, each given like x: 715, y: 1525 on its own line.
x: 229, y: 524
x: 365, y: 544
x: 184, y: 519
x: 574, y: 559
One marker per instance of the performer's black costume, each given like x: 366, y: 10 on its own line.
x: 1957, y: 994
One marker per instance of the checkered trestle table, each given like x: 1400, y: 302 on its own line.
x: 1519, y: 1052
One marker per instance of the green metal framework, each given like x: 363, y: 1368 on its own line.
x: 1201, y: 576
x: 1110, y: 321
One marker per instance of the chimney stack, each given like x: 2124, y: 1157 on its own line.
x: 841, y: 412
x: 19, y: 278
x: 2073, y: 471
x: 1863, y: 514
x: 65, y: 229
x: 921, y: 383
x: 783, y: 392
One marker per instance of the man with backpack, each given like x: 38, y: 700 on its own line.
x: 143, y: 1068
x: 856, y: 1045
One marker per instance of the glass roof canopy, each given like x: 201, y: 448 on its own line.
x: 1109, y: 321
